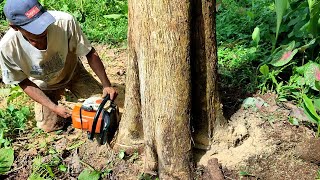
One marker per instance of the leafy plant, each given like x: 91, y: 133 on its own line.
x: 6, y: 159
x: 237, y: 19
x: 47, y: 169
x: 13, y: 119
x: 318, y: 175
x: 40, y: 170
x: 15, y: 92
x: 310, y: 111
x: 89, y: 174
x: 294, y: 69
x: 4, y: 142
x: 245, y: 174
x: 256, y: 35
x: 121, y: 154
x: 102, y: 21
x: 281, y: 7
x: 145, y: 176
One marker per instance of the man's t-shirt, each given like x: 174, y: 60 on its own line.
x: 51, y: 68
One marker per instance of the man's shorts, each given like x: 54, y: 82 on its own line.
x: 82, y: 85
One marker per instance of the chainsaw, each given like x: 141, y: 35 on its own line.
x: 96, y: 115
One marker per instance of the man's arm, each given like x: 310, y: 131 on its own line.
x: 98, y: 68
x: 38, y: 95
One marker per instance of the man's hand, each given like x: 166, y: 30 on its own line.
x: 62, y: 111
x: 111, y: 91
x: 37, y: 94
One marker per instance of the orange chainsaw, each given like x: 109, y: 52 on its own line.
x: 96, y: 115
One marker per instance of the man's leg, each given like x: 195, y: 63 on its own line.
x: 46, y: 119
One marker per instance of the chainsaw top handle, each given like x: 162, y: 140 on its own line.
x: 95, y: 119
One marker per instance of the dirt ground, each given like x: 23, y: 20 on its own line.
x: 258, y: 143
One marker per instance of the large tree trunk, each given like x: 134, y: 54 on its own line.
x: 159, y: 87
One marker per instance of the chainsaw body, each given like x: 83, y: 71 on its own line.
x: 87, y: 119
x: 96, y: 115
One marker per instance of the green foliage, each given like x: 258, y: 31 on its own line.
x: 89, y: 174
x: 314, y: 8
x: 13, y: 119
x: 237, y: 66
x: 318, y: 175
x: 121, y: 154
x: 47, y: 169
x: 244, y: 173
x: 15, y: 92
x: 237, y: 19
x: 102, y: 21
x: 4, y: 142
x: 283, y: 55
x: 40, y: 170
x: 281, y: 7
x: 310, y: 111
x: 145, y: 176
x: 256, y: 35
x: 75, y: 145
x: 6, y: 159
x: 294, y: 65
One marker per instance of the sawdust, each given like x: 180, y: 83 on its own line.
x: 243, y: 138
x: 261, y: 142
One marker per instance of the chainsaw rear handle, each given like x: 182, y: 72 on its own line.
x: 95, y: 119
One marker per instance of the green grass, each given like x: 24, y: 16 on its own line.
x: 238, y: 57
x: 236, y: 20
x: 94, y: 17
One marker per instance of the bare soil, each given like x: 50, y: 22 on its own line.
x: 257, y: 143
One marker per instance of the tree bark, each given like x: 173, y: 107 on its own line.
x: 171, y: 79
x: 130, y: 134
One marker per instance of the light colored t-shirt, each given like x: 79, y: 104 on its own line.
x: 51, y: 68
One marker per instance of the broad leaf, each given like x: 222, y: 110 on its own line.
x: 113, y: 16
x: 312, y: 74
x: 121, y: 154
x: 302, y: 69
x: 294, y: 121
x: 306, y: 111
x: 264, y: 70
x: 301, y: 81
x: 314, y: 8
x: 89, y: 175
x: 317, y: 85
x: 281, y: 7
x: 317, y: 104
x: 310, y: 108
x: 256, y: 35
x: 6, y: 159
x: 283, y: 57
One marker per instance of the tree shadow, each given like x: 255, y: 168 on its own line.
x: 121, y: 96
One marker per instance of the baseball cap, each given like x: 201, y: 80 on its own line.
x: 28, y: 14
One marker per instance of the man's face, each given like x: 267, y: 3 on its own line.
x: 32, y: 37
x: 38, y: 41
